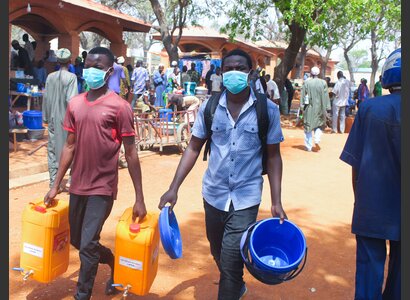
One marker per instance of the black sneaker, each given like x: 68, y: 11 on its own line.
x: 243, y: 292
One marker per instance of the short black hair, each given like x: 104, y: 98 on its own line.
x: 238, y: 52
x: 184, y: 69
x: 339, y: 74
x: 104, y: 51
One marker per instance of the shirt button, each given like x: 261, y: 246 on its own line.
x: 233, y: 143
x: 232, y: 159
x: 231, y: 175
x: 234, y: 127
x: 252, y: 129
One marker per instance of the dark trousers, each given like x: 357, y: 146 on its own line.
x: 370, y: 260
x: 87, y: 215
x: 224, y: 231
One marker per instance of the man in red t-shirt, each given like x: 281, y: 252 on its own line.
x: 97, y: 122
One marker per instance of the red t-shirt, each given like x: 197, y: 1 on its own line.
x: 98, y: 127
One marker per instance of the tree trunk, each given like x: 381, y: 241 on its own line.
x: 286, y: 65
x: 325, y: 61
x: 349, y: 64
x: 166, y: 36
x: 300, y: 61
x: 375, y: 60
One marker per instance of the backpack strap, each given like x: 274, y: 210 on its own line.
x: 209, y: 113
x: 263, y: 125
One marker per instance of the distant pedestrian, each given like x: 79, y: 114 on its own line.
x: 79, y: 73
x: 341, y: 91
x: 23, y: 59
x: 40, y: 73
x: 194, y: 75
x: 272, y: 89
x: 139, y: 82
x: 61, y: 86
x: 84, y: 56
x: 208, y: 78
x: 314, y: 103
x: 260, y: 83
x: 216, y: 81
x: 125, y: 85
x: 373, y: 149
x: 160, y: 83
x: 114, y: 81
x: 362, y: 92
x: 130, y: 69
x: 29, y: 47
x: 377, y: 91
x: 184, y: 76
x: 290, y: 91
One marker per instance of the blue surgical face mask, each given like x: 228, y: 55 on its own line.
x: 235, y: 81
x: 95, y: 78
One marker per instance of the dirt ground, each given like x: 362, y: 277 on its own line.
x: 316, y: 194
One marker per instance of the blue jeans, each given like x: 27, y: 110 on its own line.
x: 224, y: 231
x: 370, y: 260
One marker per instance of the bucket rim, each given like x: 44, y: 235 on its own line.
x: 280, y: 269
x: 171, y: 244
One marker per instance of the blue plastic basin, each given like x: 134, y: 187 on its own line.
x: 169, y: 233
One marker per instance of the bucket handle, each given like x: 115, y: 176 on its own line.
x: 297, y: 271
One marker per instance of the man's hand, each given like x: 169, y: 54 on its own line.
x: 277, y: 211
x: 49, y: 197
x: 169, y: 197
x: 139, y: 211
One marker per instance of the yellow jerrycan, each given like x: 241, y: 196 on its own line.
x: 45, y: 241
x: 136, y: 253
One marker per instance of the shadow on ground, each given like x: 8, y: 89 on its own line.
x: 328, y: 274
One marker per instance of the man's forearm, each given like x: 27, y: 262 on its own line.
x: 274, y: 170
x: 134, y: 168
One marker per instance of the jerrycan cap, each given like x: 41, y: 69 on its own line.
x: 135, y: 227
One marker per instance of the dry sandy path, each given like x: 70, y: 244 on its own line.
x: 316, y: 194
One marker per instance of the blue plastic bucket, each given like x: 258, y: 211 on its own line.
x: 189, y: 88
x: 277, y: 248
x: 165, y: 113
x: 33, y: 119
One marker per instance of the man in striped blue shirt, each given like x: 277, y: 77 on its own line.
x: 232, y: 184
x: 139, y: 82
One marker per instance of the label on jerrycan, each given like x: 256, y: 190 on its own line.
x: 130, y: 263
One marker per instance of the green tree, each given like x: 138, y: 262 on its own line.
x: 359, y: 58
x: 172, y: 16
x: 348, y: 41
x: 317, y: 17
x: 382, y: 20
